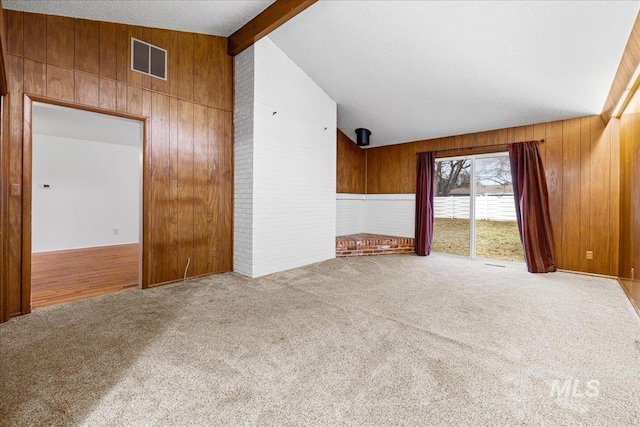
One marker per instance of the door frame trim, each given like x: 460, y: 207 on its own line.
x: 27, y: 178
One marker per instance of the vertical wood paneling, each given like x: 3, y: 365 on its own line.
x: 553, y: 171
x: 123, y: 52
x: 60, y: 83
x: 202, y: 258
x: 108, y: 94
x: 35, y: 82
x: 87, y: 46
x: 162, y: 250
x: 172, y: 62
x: 148, y: 263
x: 134, y: 78
x: 600, y: 195
x: 87, y: 89
x: 585, y: 192
x: 14, y: 273
x: 15, y: 34
x: 185, y: 185
x: 224, y: 203
x: 188, y: 159
x: 582, y: 168
x: 203, y: 61
x: 108, y: 50
x: 185, y: 72
x: 35, y: 36
x: 161, y: 39
x: 121, y: 97
x: 134, y: 100
x: 350, y: 167
x: 60, y: 41
x: 571, y: 194
x: 615, y: 197
x: 539, y: 134
x: 629, y: 225
x: 629, y: 130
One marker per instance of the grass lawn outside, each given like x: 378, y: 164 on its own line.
x: 494, y: 239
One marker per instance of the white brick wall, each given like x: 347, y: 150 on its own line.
x: 243, y: 158
x: 390, y: 214
x: 293, y: 173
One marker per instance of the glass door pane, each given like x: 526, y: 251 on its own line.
x: 452, y: 207
x: 496, y: 229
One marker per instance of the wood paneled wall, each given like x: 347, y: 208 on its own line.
x: 351, y: 166
x: 630, y: 194
x: 189, y: 152
x: 3, y: 53
x: 582, y: 161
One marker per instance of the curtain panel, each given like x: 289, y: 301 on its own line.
x: 424, y: 202
x: 532, y: 206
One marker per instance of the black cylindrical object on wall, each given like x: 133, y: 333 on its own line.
x: 363, y: 136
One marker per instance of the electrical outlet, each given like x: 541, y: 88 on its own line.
x: 115, y: 231
x: 589, y: 254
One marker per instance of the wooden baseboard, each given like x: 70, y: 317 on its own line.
x: 627, y: 292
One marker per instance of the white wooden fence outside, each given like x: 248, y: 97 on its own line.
x: 488, y: 207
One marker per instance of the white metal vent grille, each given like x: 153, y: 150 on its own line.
x: 148, y: 59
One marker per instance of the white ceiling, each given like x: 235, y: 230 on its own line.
x: 411, y: 70
x: 70, y: 123
x: 220, y: 18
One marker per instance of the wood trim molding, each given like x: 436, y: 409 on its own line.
x: 4, y: 247
x: 628, y: 294
x: 628, y: 65
x: 4, y: 86
x: 268, y: 20
x: 27, y: 176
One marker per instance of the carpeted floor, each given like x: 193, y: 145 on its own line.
x: 390, y: 340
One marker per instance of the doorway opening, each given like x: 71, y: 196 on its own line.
x: 474, y: 208
x: 86, y: 204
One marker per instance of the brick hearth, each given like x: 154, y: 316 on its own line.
x: 365, y: 244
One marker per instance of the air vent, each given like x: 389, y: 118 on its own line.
x: 148, y: 59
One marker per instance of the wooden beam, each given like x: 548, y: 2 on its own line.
x: 4, y: 87
x: 268, y: 20
x: 628, y: 64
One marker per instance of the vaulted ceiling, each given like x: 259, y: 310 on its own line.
x: 411, y: 70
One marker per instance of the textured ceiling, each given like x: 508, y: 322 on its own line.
x: 418, y: 70
x: 70, y: 123
x: 220, y: 18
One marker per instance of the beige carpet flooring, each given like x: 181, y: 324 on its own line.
x: 390, y: 340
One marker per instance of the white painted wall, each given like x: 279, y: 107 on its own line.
x: 290, y: 166
x: 243, y: 158
x: 390, y: 214
x: 94, y: 189
x: 349, y: 214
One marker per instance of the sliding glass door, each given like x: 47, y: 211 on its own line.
x: 479, y: 219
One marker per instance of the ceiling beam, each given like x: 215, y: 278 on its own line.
x: 628, y: 65
x: 4, y: 87
x: 267, y: 21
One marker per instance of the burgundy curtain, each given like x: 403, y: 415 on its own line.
x: 424, y: 202
x: 532, y: 206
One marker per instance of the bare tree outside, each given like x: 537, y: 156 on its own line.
x: 495, y: 229
x: 452, y: 174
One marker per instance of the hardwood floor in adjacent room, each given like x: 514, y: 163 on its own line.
x: 71, y: 275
